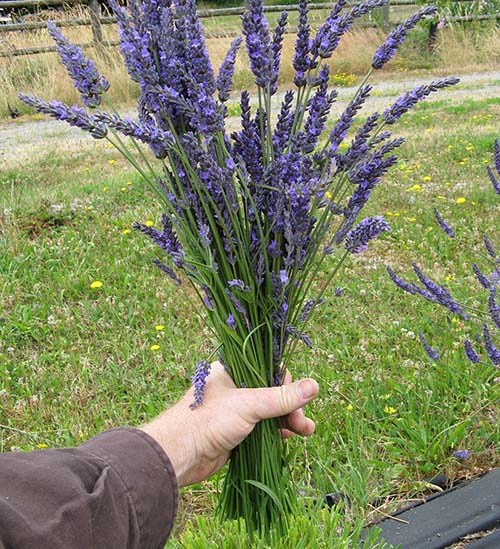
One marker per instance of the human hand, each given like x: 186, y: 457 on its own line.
x: 198, y: 442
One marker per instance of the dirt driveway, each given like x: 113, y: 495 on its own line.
x: 25, y: 140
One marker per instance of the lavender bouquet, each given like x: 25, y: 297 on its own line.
x: 249, y: 218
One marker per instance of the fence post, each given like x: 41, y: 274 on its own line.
x: 95, y: 21
x: 386, y: 23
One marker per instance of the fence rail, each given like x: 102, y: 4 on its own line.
x: 97, y: 20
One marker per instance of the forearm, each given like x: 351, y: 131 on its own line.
x: 116, y: 490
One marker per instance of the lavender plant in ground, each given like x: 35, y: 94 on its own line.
x: 249, y: 217
x: 484, y: 346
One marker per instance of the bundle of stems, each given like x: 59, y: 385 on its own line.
x: 249, y: 218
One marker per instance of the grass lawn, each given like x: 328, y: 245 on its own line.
x: 75, y: 360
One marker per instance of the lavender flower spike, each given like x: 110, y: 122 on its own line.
x: 74, y: 116
x: 82, y: 70
x: 442, y: 223
x: 371, y: 227
x: 493, y: 352
x: 202, y: 369
x: 406, y: 101
x: 494, y: 308
x: 226, y: 72
x: 386, y: 51
x: 489, y: 247
x: 258, y: 43
x: 469, y: 351
x: 427, y: 348
x: 301, y: 59
x: 494, y: 179
x: 461, y: 454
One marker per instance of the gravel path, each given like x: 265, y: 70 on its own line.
x: 22, y: 141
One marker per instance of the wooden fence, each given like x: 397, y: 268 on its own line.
x: 97, y: 20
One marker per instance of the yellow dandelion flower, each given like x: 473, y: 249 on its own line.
x: 389, y: 410
x: 111, y: 162
x: 428, y: 129
x: 329, y: 195
x: 470, y: 148
x: 472, y: 202
x: 462, y: 162
x: 123, y: 189
x: 159, y: 327
x: 41, y: 445
x: 154, y: 347
x: 451, y: 147
x: 415, y: 188
x: 126, y: 231
x: 105, y: 189
x: 129, y: 183
x: 149, y: 223
x: 426, y: 178
x: 349, y: 407
x: 388, y: 214
x: 86, y: 170
x: 396, y: 214
x: 461, y: 200
x: 441, y: 197
x: 485, y: 161
x: 411, y: 219
x: 96, y: 285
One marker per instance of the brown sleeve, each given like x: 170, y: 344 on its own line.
x: 116, y: 490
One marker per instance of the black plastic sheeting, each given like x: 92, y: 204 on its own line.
x: 447, y: 518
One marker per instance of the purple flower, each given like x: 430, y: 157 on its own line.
x: 159, y: 140
x: 461, y: 454
x: 371, y: 227
x: 428, y: 349
x: 489, y: 247
x: 347, y: 117
x: 276, y: 45
x: 284, y: 124
x: 319, y: 107
x: 470, y: 352
x: 166, y: 239
x: 168, y: 271
x: 410, y: 287
x: 396, y: 37
x: 441, y: 294
x: 294, y: 332
x: 494, y: 308
x: 231, y: 322
x: 236, y: 283
x: 491, y: 350
x: 82, y: 70
x: 442, y: 223
x: 74, y: 116
x: 199, y: 380
x: 405, y: 102
x: 258, y: 43
x: 496, y: 162
x: 301, y: 59
x: 225, y: 78
x: 483, y: 280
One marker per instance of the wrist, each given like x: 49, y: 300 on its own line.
x: 176, y: 440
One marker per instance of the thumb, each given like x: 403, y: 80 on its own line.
x: 273, y: 402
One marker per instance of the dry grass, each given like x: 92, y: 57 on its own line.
x: 457, y: 50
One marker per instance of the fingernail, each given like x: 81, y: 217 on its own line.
x: 306, y: 388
